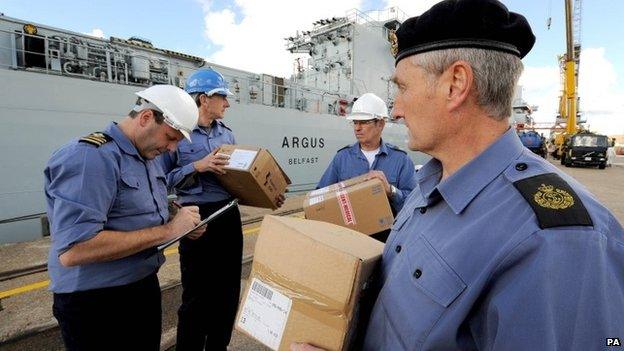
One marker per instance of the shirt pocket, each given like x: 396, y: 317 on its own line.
x: 133, y: 197
x: 417, y: 294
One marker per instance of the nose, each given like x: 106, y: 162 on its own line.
x: 227, y: 103
x: 396, y: 113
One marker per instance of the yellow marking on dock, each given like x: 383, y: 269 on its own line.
x: 44, y: 283
x: 24, y: 289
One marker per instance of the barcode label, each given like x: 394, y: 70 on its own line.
x: 264, y: 313
x: 315, y: 200
x: 262, y: 290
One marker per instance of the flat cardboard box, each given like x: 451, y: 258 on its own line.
x: 356, y: 203
x: 253, y: 176
x: 308, y: 283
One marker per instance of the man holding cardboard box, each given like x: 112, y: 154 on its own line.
x: 210, y: 266
x: 496, y: 248
x: 371, y: 155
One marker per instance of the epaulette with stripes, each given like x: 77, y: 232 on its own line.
x: 98, y: 139
x: 224, y: 126
x: 344, y: 147
x: 394, y: 147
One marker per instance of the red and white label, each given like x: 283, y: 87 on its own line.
x: 345, y: 207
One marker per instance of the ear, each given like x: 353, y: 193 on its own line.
x: 144, y: 117
x: 460, y: 79
x: 203, y: 99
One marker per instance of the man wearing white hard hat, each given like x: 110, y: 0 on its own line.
x: 371, y: 155
x: 107, y: 206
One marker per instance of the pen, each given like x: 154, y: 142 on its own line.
x: 176, y: 204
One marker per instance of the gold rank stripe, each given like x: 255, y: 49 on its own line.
x: 95, y: 139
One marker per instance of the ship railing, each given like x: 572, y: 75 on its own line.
x: 109, y: 63
x: 96, y: 61
x: 376, y: 16
x: 282, y: 93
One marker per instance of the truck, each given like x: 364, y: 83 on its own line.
x: 534, y: 142
x: 587, y: 149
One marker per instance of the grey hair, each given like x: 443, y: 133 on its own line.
x: 196, y: 97
x: 495, y: 75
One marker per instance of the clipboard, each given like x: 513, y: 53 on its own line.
x: 206, y: 220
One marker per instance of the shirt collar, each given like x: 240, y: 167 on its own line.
x: 356, y: 149
x: 464, y: 185
x: 121, y: 139
x: 428, y: 177
x: 216, y: 128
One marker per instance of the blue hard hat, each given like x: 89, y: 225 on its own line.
x: 207, y: 81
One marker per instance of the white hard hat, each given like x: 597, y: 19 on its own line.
x: 368, y: 106
x: 177, y: 106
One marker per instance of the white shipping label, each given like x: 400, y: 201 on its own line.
x: 264, y: 314
x: 318, y: 192
x: 241, y: 159
x: 315, y: 200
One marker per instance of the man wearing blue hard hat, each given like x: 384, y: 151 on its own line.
x: 211, y: 265
x: 495, y: 249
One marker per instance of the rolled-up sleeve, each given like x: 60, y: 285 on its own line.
x: 178, y: 177
x: 81, y: 187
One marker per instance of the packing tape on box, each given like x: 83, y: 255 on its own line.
x: 305, y: 300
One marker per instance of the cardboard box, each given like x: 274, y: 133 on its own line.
x: 253, y: 176
x: 356, y: 203
x: 308, y: 283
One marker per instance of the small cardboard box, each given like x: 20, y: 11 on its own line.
x: 253, y: 176
x: 309, y: 282
x: 356, y: 203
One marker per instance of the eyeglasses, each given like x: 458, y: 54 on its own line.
x: 361, y: 123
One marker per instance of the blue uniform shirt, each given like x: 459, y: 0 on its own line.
x: 350, y: 162
x: 468, y: 266
x: 179, y: 164
x: 90, y: 189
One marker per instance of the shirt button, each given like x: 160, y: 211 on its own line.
x: 417, y: 273
x: 397, y: 248
x: 423, y: 210
x: 521, y: 166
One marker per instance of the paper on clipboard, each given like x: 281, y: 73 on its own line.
x: 206, y: 220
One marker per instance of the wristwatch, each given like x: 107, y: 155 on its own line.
x: 393, y: 191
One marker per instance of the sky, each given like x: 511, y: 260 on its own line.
x: 248, y: 35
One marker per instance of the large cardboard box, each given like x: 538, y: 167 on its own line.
x: 309, y: 282
x: 253, y: 176
x: 356, y: 203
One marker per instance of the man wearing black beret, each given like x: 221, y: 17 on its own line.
x: 495, y: 248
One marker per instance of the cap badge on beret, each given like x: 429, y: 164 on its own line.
x: 394, y: 43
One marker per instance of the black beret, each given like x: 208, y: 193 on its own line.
x: 484, y: 24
